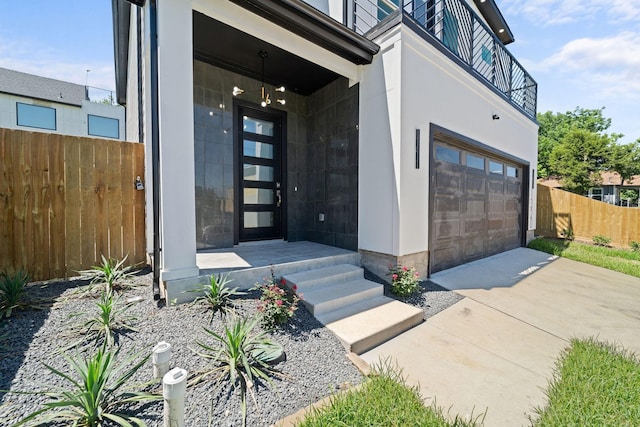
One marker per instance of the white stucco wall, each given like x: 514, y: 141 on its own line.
x: 421, y: 87
x: 70, y: 119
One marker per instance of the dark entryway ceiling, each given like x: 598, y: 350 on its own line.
x: 224, y: 46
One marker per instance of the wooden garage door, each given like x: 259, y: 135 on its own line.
x: 476, y: 205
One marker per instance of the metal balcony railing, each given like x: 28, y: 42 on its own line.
x: 456, y: 26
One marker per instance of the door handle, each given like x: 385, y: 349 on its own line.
x: 279, y: 196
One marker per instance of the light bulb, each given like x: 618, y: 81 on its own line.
x: 281, y: 101
x: 237, y: 91
x: 280, y: 89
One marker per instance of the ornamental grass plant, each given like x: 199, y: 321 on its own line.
x: 96, y: 394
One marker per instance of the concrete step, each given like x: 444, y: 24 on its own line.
x: 350, y: 310
x: 353, y: 308
x: 338, y: 296
x: 321, y: 277
x: 370, y: 328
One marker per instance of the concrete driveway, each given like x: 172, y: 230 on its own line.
x: 495, y: 350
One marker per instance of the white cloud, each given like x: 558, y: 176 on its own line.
x: 42, y: 61
x: 609, y: 66
x: 552, y: 12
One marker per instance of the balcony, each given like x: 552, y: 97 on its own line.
x: 455, y: 28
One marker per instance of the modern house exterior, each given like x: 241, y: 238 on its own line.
x: 30, y: 102
x: 404, y: 131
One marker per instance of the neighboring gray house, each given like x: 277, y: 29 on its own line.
x: 610, y: 188
x: 35, y: 103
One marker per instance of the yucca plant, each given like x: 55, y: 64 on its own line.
x: 96, y: 393
x: 111, y: 273
x: 239, y: 356
x: 217, y: 295
x: 111, y: 317
x: 12, y: 291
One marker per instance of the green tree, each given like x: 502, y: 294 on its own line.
x: 629, y: 195
x: 554, y: 127
x: 581, y: 156
x: 625, y: 160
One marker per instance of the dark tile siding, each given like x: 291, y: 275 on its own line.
x: 322, y: 160
x: 333, y: 165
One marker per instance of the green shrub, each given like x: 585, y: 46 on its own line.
x: 567, y: 234
x: 12, y: 292
x: 635, y: 246
x: 405, y: 281
x: 601, y: 240
x: 217, y: 295
x: 276, y: 305
x: 239, y: 357
x: 96, y: 393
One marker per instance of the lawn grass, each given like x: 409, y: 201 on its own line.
x: 383, y: 400
x: 596, y: 384
x: 621, y: 260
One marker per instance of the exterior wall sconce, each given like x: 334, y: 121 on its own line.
x: 495, y: 117
x: 265, y: 97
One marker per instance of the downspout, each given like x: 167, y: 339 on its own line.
x: 154, y: 136
x: 155, y: 146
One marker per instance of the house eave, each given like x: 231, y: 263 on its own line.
x: 308, y: 22
x: 490, y: 12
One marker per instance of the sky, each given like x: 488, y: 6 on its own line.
x: 581, y: 52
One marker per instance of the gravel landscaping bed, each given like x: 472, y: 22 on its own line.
x: 315, y: 365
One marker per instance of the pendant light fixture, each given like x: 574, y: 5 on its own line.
x: 265, y: 97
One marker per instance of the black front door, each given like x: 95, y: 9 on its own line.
x: 261, y: 189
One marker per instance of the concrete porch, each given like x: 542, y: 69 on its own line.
x: 249, y: 263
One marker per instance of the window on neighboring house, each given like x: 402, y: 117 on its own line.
x: 36, y: 116
x: 103, y: 126
x: 595, y: 193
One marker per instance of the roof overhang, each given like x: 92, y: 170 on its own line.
x: 490, y: 12
x: 313, y: 25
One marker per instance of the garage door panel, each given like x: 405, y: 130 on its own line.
x: 448, y: 180
x: 513, y: 189
x: 446, y: 257
x: 474, y: 207
x: 475, y: 184
x: 447, y: 205
x: 473, y: 248
x: 496, y: 187
x: 474, y: 226
x: 447, y: 229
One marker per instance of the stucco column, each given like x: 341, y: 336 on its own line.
x: 177, y: 182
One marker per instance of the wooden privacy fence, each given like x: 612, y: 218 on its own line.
x: 560, y: 210
x: 65, y: 201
